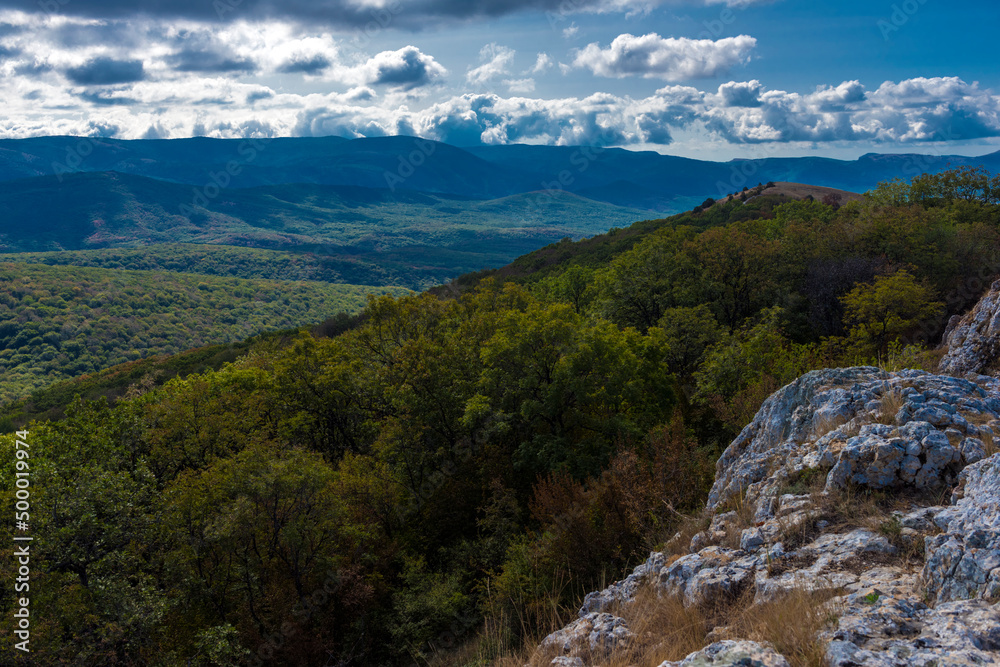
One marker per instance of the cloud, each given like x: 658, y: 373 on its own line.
x: 672, y: 59
x: 520, y: 85
x: 196, y: 60
x: 742, y: 94
x: 405, y: 14
x: 571, y: 31
x: 404, y: 69
x: 915, y: 110
x: 907, y: 112
x: 305, y: 64
x: 103, y: 71
x: 542, y: 63
x: 496, y: 61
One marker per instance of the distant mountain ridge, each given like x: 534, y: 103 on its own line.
x: 634, y: 179
x: 364, y: 235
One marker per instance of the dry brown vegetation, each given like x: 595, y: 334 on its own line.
x: 889, y: 404
x: 666, y: 629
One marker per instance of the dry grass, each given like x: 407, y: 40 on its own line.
x: 791, y: 623
x: 889, y: 404
x: 665, y: 629
x: 807, y: 480
x: 744, y: 513
x: 825, y: 423
x: 688, y: 527
x: 986, y: 435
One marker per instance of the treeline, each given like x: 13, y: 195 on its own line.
x: 58, y: 322
x: 457, y: 471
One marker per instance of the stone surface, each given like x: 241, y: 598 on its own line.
x: 563, y: 661
x: 712, y: 574
x: 733, y: 654
x: 625, y: 590
x: 831, y: 422
x: 595, y: 633
x: 898, y: 632
x: 964, y: 561
x: 974, y: 342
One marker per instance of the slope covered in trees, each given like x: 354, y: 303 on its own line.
x: 457, y: 470
x: 62, y: 321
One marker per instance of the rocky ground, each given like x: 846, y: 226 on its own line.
x: 873, y: 496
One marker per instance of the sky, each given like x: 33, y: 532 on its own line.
x: 710, y: 79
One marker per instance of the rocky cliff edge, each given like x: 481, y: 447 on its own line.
x: 858, y: 514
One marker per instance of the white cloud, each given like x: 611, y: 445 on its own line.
x: 542, y: 63
x: 571, y: 31
x: 496, y: 61
x: 672, y: 59
x: 404, y: 69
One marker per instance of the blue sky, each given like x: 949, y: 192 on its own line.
x: 712, y: 79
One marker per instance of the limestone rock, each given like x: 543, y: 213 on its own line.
x: 974, y: 343
x: 625, y: 590
x: 733, y: 654
x: 597, y: 633
x: 964, y: 562
x: 865, y: 427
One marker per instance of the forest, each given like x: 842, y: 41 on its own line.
x: 58, y: 322
x: 440, y: 483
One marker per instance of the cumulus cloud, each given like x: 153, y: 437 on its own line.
x: 305, y: 64
x: 496, y: 61
x: 404, y: 69
x: 542, y: 63
x: 672, y: 59
x: 738, y: 112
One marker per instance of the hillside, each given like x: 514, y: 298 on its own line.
x: 361, y: 235
x: 445, y: 480
x: 58, y: 322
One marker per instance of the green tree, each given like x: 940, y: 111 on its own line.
x: 892, y: 308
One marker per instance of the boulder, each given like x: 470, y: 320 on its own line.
x: 964, y: 561
x: 733, y: 654
x: 863, y: 427
x: 595, y: 633
x: 974, y: 342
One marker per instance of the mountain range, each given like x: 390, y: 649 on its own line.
x: 631, y: 179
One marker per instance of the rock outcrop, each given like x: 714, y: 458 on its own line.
x: 974, y: 341
x: 913, y: 581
